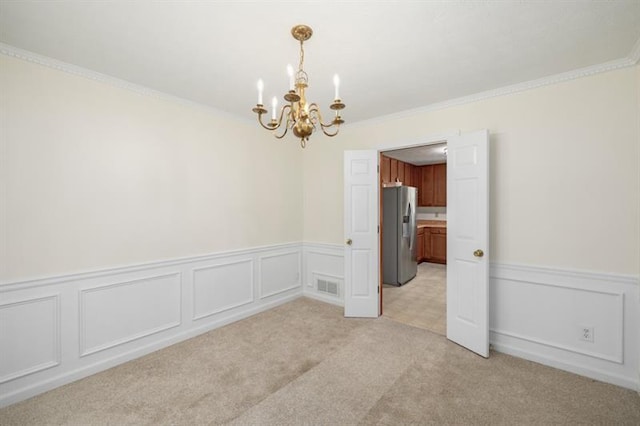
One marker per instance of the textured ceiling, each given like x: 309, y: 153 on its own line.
x: 391, y: 56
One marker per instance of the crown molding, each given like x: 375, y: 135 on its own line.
x: 507, y: 90
x: 25, y: 55
x: 631, y: 60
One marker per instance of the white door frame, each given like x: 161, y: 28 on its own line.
x: 410, y: 143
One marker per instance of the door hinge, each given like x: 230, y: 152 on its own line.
x: 378, y: 169
x: 378, y: 289
x: 378, y: 229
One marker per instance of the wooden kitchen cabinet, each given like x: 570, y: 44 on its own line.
x: 401, y: 172
x: 385, y: 169
x: 408, y: 174
x: 434, y: 245
x: 416, y: 180
x: 440, y: 185
x: 394, y: 169
x: 426, y: 244
x: 420, y: 245
x: 438, y: 245
x: 433, y: 186
x: 426, y: 186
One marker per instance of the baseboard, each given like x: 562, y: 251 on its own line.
x: 322, y: 298
x: 593, y: 373
x: 151, y: 306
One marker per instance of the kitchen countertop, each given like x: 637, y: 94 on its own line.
x: 432, y: 224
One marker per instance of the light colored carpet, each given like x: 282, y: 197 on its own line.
x: 422, y: 302
x: 304, y: 363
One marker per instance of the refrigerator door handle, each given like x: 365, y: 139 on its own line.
x: 408, y: 225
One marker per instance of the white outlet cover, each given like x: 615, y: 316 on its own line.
x: 586, y: 333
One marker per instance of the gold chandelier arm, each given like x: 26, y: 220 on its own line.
x: 282, y: 115
x: 322, y: 126
x: 313, y: 108
x: 274, y: 125
x: 263, y: 125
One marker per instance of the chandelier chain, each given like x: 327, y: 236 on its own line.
x: 301, y: 56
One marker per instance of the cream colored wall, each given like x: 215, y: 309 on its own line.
x: 564, y: 171
x: 95, y: 176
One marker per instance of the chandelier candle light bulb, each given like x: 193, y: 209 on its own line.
x: 260, y: 89
x: 298, y: 115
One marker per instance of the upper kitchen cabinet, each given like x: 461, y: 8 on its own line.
x: 392, y: 170
x: 440, y: 185
x: 426, y: 186
x: 401, y: 172
x: 408, y: 174
x: 433, y: 185
x: 416, y: 179
x: 385, y: 169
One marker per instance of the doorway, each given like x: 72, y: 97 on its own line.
x: 467, y: 237
x: 421, y: 300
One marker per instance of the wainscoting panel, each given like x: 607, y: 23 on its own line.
x: 118, y: 313
x: 221, y: 287
x: 279, y: 273
x: 536, y: 313
x: 59, y: 329
x: 601, y: 313
x: 583, y: 322
x: 540, y: 314
x: 323, y: 262
x: 37, y: 345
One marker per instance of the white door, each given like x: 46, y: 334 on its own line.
x: 468, y: 241
x: 361, y: 234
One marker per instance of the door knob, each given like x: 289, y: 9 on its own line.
x: 478, y: 253
x: 349, y: 241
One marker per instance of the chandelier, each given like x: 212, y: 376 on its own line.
x: 298, y: 115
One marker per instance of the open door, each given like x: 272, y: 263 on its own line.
x: 361, y: 234
x: 468, y: 241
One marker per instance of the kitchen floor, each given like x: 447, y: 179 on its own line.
x: 422, y: 302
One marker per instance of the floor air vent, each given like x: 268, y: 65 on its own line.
x: 326, y: 286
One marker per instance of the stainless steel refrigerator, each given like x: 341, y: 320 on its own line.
x: 399, y: 236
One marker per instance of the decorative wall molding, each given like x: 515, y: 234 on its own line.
x: 217, y: 307
x: 111, y: 316
x: 508, y: 90
x: 144, y: 266
x: 550, y: 275
x: 322, y: 259
x: 78, y: 71
x: 537, y: 312
x: 270, y: 281
x: 54, y: 326
x: 130, y: 317
x: 615, y: 361
x: 632, y: 59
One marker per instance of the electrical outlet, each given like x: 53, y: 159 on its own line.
x: 586, y: 333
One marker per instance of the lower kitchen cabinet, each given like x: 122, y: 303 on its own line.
x: 439, y: 245
x: 434, y: 245
x: 420, y: 243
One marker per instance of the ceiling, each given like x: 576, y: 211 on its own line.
x: 420, y: 155
x: 391, y: 56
